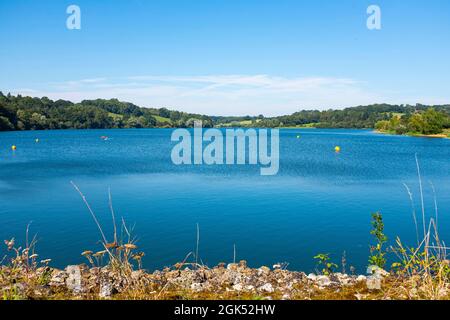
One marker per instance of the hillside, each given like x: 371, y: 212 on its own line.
x: 28, y: 113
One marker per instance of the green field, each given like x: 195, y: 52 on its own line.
x: 162, y: 119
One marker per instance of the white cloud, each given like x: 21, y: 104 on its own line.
x: 219, y: 94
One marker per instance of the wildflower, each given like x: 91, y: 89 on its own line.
x: 46, y: 261
x: 34, y: 256
x: 86, y: 253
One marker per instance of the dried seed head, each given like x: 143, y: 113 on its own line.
x: 112, y: 245
x: 34, y: 256
x: 130, y: 246
x: 138, y: 256
x: 86, y: 253
x: 10, y: 244
x: 100, y: 253
x: 46, y: 261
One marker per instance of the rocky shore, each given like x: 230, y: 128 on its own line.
x: 232, y: 281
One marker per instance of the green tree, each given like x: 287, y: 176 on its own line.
x: 433, y: 121
x: 5, y: 124
x: 382, y: 125
x: 163, y: 112
x: 416, y: 123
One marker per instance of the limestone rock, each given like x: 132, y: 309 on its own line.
x: 58, y: 278
x: 312, y: 277
x: 73, y: 281
x: 237, y: 287
x: 267, y: 288
x: 263, y: 271
x: 373, y: 283
x: 361, y: 278
x: 323, y: 281
x: 106, y: 290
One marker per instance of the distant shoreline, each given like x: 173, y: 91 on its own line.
x: 20, y: 113
x: 436, y: 136
x: 444, y: 135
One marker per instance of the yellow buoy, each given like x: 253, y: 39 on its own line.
x: 337, y: 149
x: 13, y: 148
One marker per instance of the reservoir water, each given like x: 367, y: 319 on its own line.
x: 320, y: 201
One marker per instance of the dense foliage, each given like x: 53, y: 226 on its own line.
x: 357, y: 117
x: 426, y: 122
x: 28, y: 113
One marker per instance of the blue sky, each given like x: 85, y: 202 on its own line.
x: 228, y: 57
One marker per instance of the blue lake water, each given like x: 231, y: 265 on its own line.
x: 320, y: 202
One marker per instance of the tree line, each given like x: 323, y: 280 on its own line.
x: 361, y: 117
x: 29, y: 113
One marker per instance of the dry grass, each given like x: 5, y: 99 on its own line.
x: 119, y: 253
x: 425, y: 267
